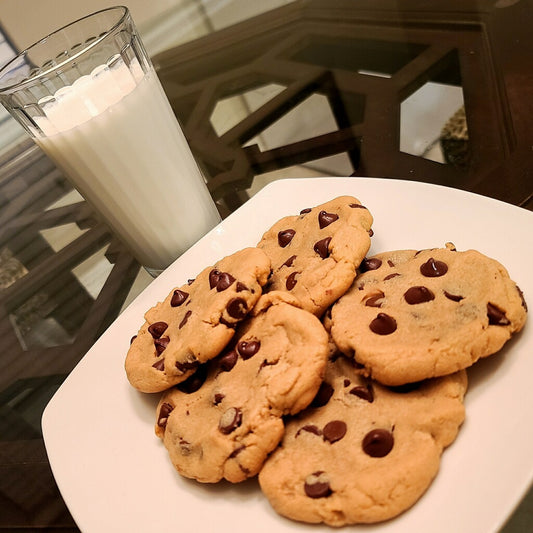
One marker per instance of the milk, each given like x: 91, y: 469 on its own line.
x: 116, y: 137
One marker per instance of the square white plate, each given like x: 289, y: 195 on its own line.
x: 115, y: 475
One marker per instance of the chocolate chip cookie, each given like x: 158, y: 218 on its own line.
x: 316, y: 253
x: 223, y: 422
x: 196, y: 321
x: 412, y: 314
x: 364, y: 452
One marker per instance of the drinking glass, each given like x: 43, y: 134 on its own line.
x: 89, y: 96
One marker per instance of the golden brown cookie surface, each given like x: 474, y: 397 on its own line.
x: 365, y: 453
x: 414, y: 315
x: 316, y: 253
x: 225, y: 427
x: 196, y: 321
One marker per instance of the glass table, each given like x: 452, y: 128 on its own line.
x: 437, y: 92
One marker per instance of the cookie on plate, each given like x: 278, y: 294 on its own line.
x: 196, y: 321
x: 415, y: 315
x: 366, y: 452
x: 316, y: 253
x: 222, y: 425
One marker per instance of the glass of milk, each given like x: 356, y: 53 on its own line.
x: 89, y: 96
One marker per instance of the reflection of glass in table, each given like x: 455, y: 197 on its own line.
x: 312, y: 89
x: 352, y: 98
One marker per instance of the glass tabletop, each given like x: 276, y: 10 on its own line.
x: 437, y: 92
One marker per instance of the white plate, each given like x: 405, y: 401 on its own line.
x: 115, y: 475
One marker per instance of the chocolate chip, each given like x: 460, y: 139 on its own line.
x: 372, y: 263
x: 317, y: 485
x: 218, y: 397
x: 164, y: 411
x: 159, y: 365
x: 228, y: 360
x: 365, y: 392
x: 185, y: 318
x: 248, y: 349
x: 190, y: 364
x: 325, y: 219
x: 374, y: 299
x: 161, y: 344
x: 224, y: 281
x: 237, y: 308
x: 378, y: 442
x: 220, y: 280
x: 178, y: 298
x: 390, y: 276
x: 291, y: 281
x: 289, y: 261
x: 194, y: 382
x: 383, y: 324
x: 390, y: 263
x: 433, y: 269
x: 309, y: 428
x: 453, y: 297
x: 321, y: 247
x: 418, y: 295
x: 241, y: 287
x: 132, y: 339
x: 157, y: 329
x: 213, y: 278
x: 305, y: 211
x: 496, y: 316
x: 334, y: 430
x: 285, y: 237
x: 347, y: 382
x: 355, y: 206
x: 230, y: 420
x: 323, y: 395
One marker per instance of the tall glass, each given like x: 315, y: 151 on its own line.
x: 90, y: 98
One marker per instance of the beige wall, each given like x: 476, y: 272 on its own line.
x: 26, y: 21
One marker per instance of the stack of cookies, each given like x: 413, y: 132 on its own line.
x: 336, y: 378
